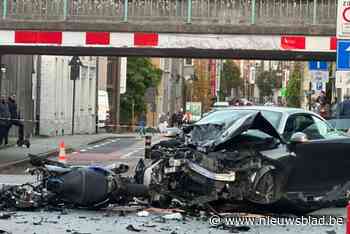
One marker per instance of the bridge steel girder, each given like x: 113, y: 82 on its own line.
x: 264, y: 47
x: 173, y: 53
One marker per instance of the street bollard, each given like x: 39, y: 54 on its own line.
x: 348, y: 218
x: 148, y: 141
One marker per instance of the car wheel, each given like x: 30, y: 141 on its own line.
x: 267, y: 189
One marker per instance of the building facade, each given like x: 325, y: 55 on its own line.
x: 56, y: 97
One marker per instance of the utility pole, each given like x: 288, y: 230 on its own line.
x: 117, y: 94
x: 114, y: 74
x: 218, y: 79
x: 96, y: 94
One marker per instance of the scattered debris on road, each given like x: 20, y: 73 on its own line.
x: 174, y: 216
x: 133, y: 229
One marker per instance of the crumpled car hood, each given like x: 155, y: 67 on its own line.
x: 210, y: 136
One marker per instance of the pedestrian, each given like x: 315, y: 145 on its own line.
x: 15, y: 119
x: 142, y: 125
x: 173, y: 121
x: 334, y: 107
x: 4, y: 119
x: 344, y: 108
x: 179, y: 118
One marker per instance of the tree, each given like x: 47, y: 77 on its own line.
x: 230, y: 78
x: 267, y: 81
x: 141, y: 74
x: 293, y: 88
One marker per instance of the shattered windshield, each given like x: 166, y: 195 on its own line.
x: 229, y: 116
x: 211, y: 127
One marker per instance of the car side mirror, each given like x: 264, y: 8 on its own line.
x: 298, y: 137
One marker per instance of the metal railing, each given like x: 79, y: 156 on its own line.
x: 222, y: 12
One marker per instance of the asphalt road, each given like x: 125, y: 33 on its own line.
x: 96, y: 222
x: 107, y: 152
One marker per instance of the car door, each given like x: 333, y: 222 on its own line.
x: 321, y: 163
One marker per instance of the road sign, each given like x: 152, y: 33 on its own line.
x: 318, y: 66
x: 343, y: 19
x: 320, y: 75
x: 342, y: 79
x: 343, y: 55
x: 318, y: 86
x: 75, y: 64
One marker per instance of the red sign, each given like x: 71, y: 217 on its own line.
x: 97, y: 38
x: 293, y: 42
x: 146, y: 39
x: 36, y: 37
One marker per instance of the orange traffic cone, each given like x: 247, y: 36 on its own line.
x: 62, y: 158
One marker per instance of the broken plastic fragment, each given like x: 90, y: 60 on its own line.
x: 133, y: 229
x: 174, y: 216
x: 143, y: 213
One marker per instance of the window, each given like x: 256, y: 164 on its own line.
x: 312, y: 126
x: 188, y: 62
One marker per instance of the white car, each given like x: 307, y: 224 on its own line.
x: 172, y: 132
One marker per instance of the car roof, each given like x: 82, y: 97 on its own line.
x: 286, y: 110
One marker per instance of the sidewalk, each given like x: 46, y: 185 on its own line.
x: 49, y: 145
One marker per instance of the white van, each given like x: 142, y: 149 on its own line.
x: 103, y: 108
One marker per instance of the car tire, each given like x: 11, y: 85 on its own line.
x: 267, y: 189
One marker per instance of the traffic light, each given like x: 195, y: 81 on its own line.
x: 75, y: 64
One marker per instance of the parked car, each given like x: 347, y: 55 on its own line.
x: 342, y: 124
x: 221, y: 104
x: 172, y: 132
x: 256, y: 153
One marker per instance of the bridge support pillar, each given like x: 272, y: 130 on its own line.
x: 65, y: 9
x: 189, y: 11
x: 4, y: 9
x: 314, y: 15
x: 126, y: 2
x: 253, y: 15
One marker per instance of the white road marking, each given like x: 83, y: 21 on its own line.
x: 129, y: 154
x: 83, y: 150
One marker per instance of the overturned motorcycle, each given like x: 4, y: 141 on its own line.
x: 59, y: 185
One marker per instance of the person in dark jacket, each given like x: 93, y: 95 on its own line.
x: 4, y: 119
x: 15, y: 118
x: 344, y: 108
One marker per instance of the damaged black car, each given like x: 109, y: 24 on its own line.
x: 260, y: 154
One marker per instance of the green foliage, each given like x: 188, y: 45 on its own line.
x: 293, y: 88
x: 141, y: 74
x: 267, y: 81
x: 230, y: 78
